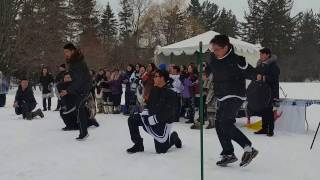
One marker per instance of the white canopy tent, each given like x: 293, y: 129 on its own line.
x: 184, y: 51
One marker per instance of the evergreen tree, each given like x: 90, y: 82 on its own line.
x: 194, y: 8
x: 86, y: 14
x: 174, y: 24
x: 8, y: 13
x: 108, y: 26
x: 125, y: 19
x: 308, y: 30
x: 252, y: 27
x: 227, y: 23
x: 278, y: 26
x: 209, y: 15
x: 306, y: 51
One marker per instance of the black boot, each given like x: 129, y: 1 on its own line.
x: 261, y: 131
x: 70, y: 128
x: 270, y: 133
x: 94, y: 122
x: 227, y: 159
x: 136, y: 148
x: 175, y: 140
x: 82, y: 137
x: 29, y: 116
x: 38, y: 112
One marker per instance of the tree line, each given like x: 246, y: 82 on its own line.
x: 32, y: 32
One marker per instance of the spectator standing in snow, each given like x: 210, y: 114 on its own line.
x: 268, y: 71
x: 46, y: 82
x: 4, y: 87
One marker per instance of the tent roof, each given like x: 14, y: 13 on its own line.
x: 191, y: 46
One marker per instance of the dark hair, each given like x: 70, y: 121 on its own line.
x: 69, y: 46
x: 221, y: 40
x: 24, y: 79
x: 45, y: 67
x: 176, y: 68
x: 265, y: 51
x: 164, y: 74
x: 153, y: 66
x: 66, y: 73
x: 142, y: 66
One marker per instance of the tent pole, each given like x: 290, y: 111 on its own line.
x: 199, y: 60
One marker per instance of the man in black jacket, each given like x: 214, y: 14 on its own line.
x: 24, y: 101
x: 80, y: 86
x: 268, y: 71
x: 229, y: 73
x: 157, y: 118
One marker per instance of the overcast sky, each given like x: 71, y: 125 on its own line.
x: 237, y: 6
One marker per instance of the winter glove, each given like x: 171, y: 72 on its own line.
x: 242, y: 64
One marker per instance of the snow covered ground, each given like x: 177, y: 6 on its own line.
x: 39, y: 150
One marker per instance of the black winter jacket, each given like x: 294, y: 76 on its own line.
x: 25, y: 96
x: 46, y: 83
x: 59, y: 77
x: 81, y: 78
x: 162, y: 103
x: 271, y: 71
x: 229, y: 75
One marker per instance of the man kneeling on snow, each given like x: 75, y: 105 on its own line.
x: 68, y: 110
x: 157, y: 118
x: 25, y: 102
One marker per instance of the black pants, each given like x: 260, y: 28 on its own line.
x: 116, y: 99
x: 2, y: 100
x: 178, y: 108
x: 44, y: 103
x: 188, y: 106
x: 24, y: 108
x: 226, y: 130
x: 58, y: 104
x: 268, y: 119
x: 107, y: 96
x: 70, y: 120
x: 82, y: 113
x: 197, y: 102
x: 130, y: 101
x: 135, y: 121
